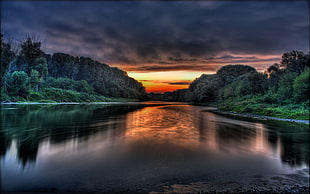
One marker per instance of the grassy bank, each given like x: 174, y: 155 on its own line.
x: 55, y: 95
x: 252, y: 106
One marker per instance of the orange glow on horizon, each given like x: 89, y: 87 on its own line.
x: 161, y: 87
x: 171, y: 80
x: 160, y: 82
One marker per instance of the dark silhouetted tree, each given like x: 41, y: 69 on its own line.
x: 230, y: 73
x: 295, y: 61
x: 7, y: 55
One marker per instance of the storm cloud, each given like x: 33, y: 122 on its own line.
x: 163, y: 36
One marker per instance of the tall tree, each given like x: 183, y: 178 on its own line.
x: 7, y: 55
x: 31, y: 57
x: 295, y: 61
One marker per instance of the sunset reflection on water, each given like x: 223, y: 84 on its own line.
x: 188, y: 127
x: 106, y: 148
x: 163, y: 124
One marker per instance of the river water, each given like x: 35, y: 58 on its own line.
x: 144, y: 147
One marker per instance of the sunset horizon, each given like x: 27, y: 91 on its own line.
x: 164, y: 45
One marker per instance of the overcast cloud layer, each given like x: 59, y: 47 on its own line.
x: 159, y: 35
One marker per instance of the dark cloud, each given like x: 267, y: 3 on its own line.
x: 191, y: 67
x: 237, y: 59
x: 185, y: 82
x: 175, y: 35
x: 179, y: 83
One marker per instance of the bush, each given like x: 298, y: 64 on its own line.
x: 34, y: 96
x: 61, y: 95
x: 17, y: 84
x: 4, y: 97
x: 68, y: 84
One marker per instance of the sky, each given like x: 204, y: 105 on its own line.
x: 164, y: 45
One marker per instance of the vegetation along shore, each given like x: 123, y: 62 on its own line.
x: 30, y: 75
x: 281, y: 91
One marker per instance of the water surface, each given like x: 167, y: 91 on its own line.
x: 144, y: 147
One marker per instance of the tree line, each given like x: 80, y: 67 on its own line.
x: 284, y: 83
x: 31, y: 74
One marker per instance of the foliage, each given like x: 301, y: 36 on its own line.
x: 285, y: 89
x: 282, y: 91
x: 68, y: 84
x: 254, y: 105
x: 230, y: 73
x: 105, y: 80
x: 17, y: 84
x: 35, y: 76
x: 34, y: 79
x: 301, y: 86
x: 295, y: 61
x: 30, y: 52
x: 61, y: 95
x: 77, y: 78
x: 7, y: 55
x: 204, y: 88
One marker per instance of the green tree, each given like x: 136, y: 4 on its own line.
x: 301, y: 86
x: 17, y: 84
x: 41, y: 66
x: 285, y: 88
x: 34, y: 80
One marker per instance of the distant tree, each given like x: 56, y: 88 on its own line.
x: 273, y: 68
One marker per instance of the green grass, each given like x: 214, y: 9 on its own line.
x: 251, y: 106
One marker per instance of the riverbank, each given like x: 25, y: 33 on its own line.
x: 108, y: 101
x: 255, y: 116
x: 298, y: 111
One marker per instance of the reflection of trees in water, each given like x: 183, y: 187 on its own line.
x: 4, y: 143
x: 295, y: 150
x: 288, y: 140
x: 295, y: 154
x: 294, y: 139
x: 29, y: 125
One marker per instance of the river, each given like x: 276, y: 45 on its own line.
x: 145, y: 147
